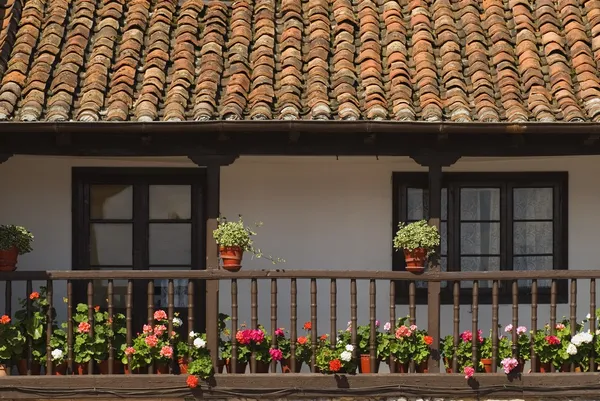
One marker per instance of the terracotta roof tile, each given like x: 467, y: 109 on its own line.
x: 406, y: 60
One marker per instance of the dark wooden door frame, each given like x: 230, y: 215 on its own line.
x: 140, y: 178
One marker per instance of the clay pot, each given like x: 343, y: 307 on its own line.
x: 59, y: 370
x: 415, y: 260
x: 4, y: 370
x: 448, y: 365
x: 566, y: 368
x: 183, y: 365
x: 365, y: 364
x: 80, y: 368
x: 8, y: 259
x: 240, y: 367
x: 103, y: 367
x: 487, y: 365
x: 161, y: 368
x: 401, y: 367
x: 36, y: 368
x: 261, y: 367
x: 545, y: 367
x: 231, y: 257
x: 422, y: 367
x: 286, y: 365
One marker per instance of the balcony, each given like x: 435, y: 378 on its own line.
x: 130, y: 299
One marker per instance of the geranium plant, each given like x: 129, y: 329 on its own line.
x: 34, y: 324
x: 523, y: 342
x: 547, y: 347
x: 105, y: 335
x: 303, y: 348
x: 201, y: 366
x: 417, y: 235
x: 337, y: 359
x: 153, y: 345
x: 11, y: 340
x: 83, y: 343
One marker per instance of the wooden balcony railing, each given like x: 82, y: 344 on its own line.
x: 81, y: 284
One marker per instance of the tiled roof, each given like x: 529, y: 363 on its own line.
x: 406, y: 60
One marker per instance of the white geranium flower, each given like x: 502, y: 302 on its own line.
x: 349, y: 347
x: 571, y: 349
x: 346, y: 356
x: 576, y: 340
x: 199, y: 343
x: 192, y: 334
x: 57, y: 354
x: 588, y: 316
x: 177, y: 322
x: 586, y: 337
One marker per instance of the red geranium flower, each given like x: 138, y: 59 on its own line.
x: 192, y: 381
x: 323, y: 337
x: 552, y: 340
x: 34, y: 295
x: 97, y: 308
x: 302, y: 340
x: 4, y: 319
x: 335, y: 365
x: 307, y: 326
x: 428, y: 340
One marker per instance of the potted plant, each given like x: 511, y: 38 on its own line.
x: 447, y: 352
x: 234, y: 238
x: 201, y: 366
x: 34, y: 326
x: 14, y: 241
x: 418, y: 240
x: 363, y: 341
x: 302, y: 353
x: 464, y: 352
x: 335, y: 360
x: 83, y: 343
x: 422, y: 350
x: 106, y: 337
x: 402, y: 344
x: 523, y: 345
x: 547, y: 347
x: 58, y: 343
x: 258, y: 343
x: 11, y: 343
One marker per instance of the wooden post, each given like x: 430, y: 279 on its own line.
x: 434, y: 160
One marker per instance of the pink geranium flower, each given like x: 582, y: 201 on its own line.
x: 403, y: 331
x: 276, y: 354
x: 129, y: 351
x: 159, y: 330
x: 508, y: 364
x: 469, y: 372
x: 160, y: 315
x: 521, y: 330
x: 147, y: 329
x: 84, y: 327
x: 166, y: 352
x: 466, y: 336
x: 279, y: 332
x: 151, y: 341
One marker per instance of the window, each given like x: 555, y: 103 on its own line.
x: 490, y: 222
x: 139, y: 219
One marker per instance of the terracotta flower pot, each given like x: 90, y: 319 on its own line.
x: 8, y: 259
x: 103, y: 367
x: 365, y: 364
x: 80, y: 368
x: 422, y: 367
x: 261, y: 367
x: 161, y: 368
x: 183, y: 365
x: 400, y: 367
x: 36, y: 368
x: 59, y: 370
x: 4, y: 370
x: 286, y: 366
x: 567, y: 368
x: 415, y: 260
x: 448, y: 365
x: 487, y: 365
x: 240, y: 367
x: 544, y: 367
x: 231, y: 257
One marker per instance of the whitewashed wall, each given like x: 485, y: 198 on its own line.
x: 318, y: 213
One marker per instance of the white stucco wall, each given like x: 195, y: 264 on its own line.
x: 318, y: 213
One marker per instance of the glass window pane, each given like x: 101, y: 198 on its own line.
x: 444, y: 238
x: 111, y: 244
x: 532, y: 237
x: 533, y: 203
x: 119, y: 294
x: 533, y: 263
x: 170, y: 202
x: 480, y: 238
x: 418, y: 204
x: 161, y: 293
x: 111, y: 202
x: 170, y: 244
x: 479, y: 264
x: 480, y: 204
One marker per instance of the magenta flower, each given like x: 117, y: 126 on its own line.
x: 508, y: 364
x: 466, y: 336
x: 276, y: 354
x: 469, y: 372
x: 279, y: 332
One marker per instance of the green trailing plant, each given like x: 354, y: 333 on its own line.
x: 417, y: 235
x: 238, y: 234
x: 11, y: 340
x: 16, y: 236
x: 201, y: 365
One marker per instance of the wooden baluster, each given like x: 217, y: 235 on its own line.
x: 475, y: 320
x: 313, y: 324
x: 534, y: 319
x: 171, y: 315
x: 412, y: 308
x: 111, y: 353
x: 573, y: 313
x: 190, y: 313
x: 253, y: 317
x: 70, y: 327
x: 234, y: 327
x: 593, y: 321
x: 49, y: 320
x: 553, y: 295
x: 273, y: 321
x: 515, y: 318
x: 494, y: 326
x: 128, y: 320
x: 372, y: 320
x: 150, y: 308
x: 392, y: 362
x: 90, y: 305
x: 456, y: 333
x: 353, y: 320
x: 8, y: 306
x: 293, y: 324
x: 333, y: 308
x: 29, y: 289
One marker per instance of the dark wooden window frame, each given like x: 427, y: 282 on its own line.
x: 140, y: 179
x: 506, y: 181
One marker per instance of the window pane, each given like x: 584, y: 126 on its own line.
x: 111, y: 202
x: 418, y: 204
x: 170, y: 202
x: 161, y: 292
x: 480, y: 238
x: 111, y: 244
x: 444, y: 238
x: 119, y: 293
x: 534, y: 263
x: 479, y: 264
x: 170, y: 244
x: 480, y: 204
x: 532, y: 237
x: 533, y: 203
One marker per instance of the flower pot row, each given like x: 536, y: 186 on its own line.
x: 102, y: 367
